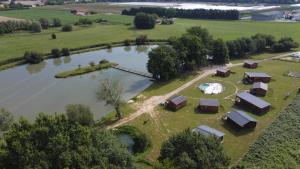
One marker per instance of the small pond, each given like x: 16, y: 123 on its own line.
x: 28, y: 89
x: 126, y: 140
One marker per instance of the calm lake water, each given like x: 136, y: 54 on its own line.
x: 28, y: 89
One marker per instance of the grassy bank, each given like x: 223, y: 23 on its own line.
x: 278, y: 146
x: 236, y: 142
x: 86, y: 36
x: 85, y: 70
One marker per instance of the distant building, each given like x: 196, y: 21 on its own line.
x: 80, y: 12
x: 251, y: 102
x: 252, y: 77
x: 207, y: 131
x: 241, y: 119
x: 176, y: 102
x: 268, y: 16
x: 259, y: 89
x: 223, y: 72
x: 296, y: 55
x: 250, y: 64
x: 31, y: 3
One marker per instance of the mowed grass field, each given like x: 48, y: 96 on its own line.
x: 14, y: 45
x: 165, y: 123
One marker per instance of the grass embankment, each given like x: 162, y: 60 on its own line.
x: 84, y: 70
x: 95, y: 34
x: 278, y: 146
x: 236, y: 142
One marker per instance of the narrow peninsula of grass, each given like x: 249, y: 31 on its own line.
x: 84, y: 70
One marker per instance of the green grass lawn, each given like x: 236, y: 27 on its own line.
x: 14, y: 45
x: 236, y: 142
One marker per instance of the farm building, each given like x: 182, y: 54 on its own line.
x: 207, y: 131
x: 259, y: 89
x: 250, y: 64
x: 223, y: 72
x: 80, y: 12
x: 176, y: 102
x: 252, y: 77
x: 241, y: 119
x: 209, y: 105
x: 254, y: 103
x: 268, y: 16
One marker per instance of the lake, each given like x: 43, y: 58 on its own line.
x: 28, y: 89
x: 247, y: 7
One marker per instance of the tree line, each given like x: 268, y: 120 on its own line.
x: 186, y: 13
x: 197, y: 48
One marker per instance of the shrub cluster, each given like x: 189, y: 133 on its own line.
x: 16, y: 25
x: 144, y: 21
x: 67, y: 28
x: 33, y: 57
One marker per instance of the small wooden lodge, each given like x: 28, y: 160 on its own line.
x: 223, y: 72
x: 250, y: 64
x: 209, y: 105
x: 176, y: 102
x: 241, y: 119
x: 251, y: 102
x: 252, y: 77
x: 259, y: 89
x: 207, y: 131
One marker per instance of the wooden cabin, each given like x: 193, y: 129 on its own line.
x: 252, y: 77
x: 208, y: 131
x: 209, y: 105
x: 250, y: 64
x: 176, y: 102
x: 248, y: 101
x: 259, y: 89
x: 241, y: 119
x: 223, y: 72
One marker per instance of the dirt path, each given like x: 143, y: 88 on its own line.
x: 148, y: 105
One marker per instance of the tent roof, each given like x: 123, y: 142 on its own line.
x: 203, y: 129
x: 239, y: 117
x: 253, y: 100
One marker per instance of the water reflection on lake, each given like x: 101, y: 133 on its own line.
x: 28, y: 89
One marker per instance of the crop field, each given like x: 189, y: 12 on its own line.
x: 164, y: 123
x: 119, y: 30
x: 279, y: 144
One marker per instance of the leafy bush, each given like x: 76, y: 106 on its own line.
x: 92, y: 63
x: 144, y: 21
x: 44, y: 23
x: 67, y: 28
x: 56, y: 22
x: 65, y: 52
x: 32, y: 57
x: 53, y: 36
x: 36, y: 27
x: 103, y: 61
x: 84, y: 21
x: 80, y: 113
x: 127, y: 42
x: 55, y: 53
x: 141, y: 39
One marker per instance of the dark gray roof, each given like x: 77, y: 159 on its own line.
x: 257, y: 74
x: 177, y: 99
x: 222, y: 70
x: 250, y: 62
x: 260, y: 85
x: 205, y: 130
x: 209, y: 102
x: 239, y: 117
x: 253, y: 100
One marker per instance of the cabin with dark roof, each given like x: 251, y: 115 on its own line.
x: 208, y: 131
x: 259, y: 89
x: 250, y: 64
x: 241, y: 119
x: 248, y: 101
x: 209, y: 105
x: 252, y: 77
x: 223, y: 72
x: 176, y: 102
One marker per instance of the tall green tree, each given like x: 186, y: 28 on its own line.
x: 201, y: 33
x: 44, y: 23
x: 55, y: 142
x: 144, y: 21
x: 220, y: 52
x: 80, y: 113
x: 6, y: 120
x: 189, y: 150
x: 163, y: 63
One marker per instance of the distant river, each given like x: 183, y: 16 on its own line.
x: 28, y: 89
x: 200, y: 6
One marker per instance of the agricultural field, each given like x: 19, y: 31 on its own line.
x: 278, y: 146
x: 119, y: 30
x: 164, y: 123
